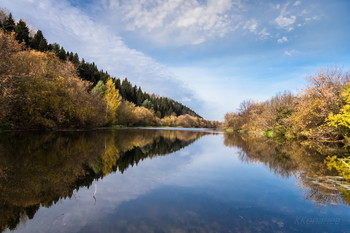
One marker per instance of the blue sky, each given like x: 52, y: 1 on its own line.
x: 207, y: 54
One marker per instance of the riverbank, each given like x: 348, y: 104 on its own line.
x: 113, y: 127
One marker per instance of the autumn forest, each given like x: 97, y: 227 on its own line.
x: 45, y: 87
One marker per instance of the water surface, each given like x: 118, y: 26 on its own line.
x: 149, y: 180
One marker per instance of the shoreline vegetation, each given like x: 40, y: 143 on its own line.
x: 320, y: 112
x: 112, y: 127
x: 318, y: 117
x: 44, y: 87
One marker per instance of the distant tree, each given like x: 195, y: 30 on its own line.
x: 3, y: 17
x: 125, y: 114
x: 144, y: 117
x: 9, y: 46
x: 22, y: 32
x: 127, y: 91
x: 317, y: 101
x: 186, y: 121
x: 342, y: 119
x: 62, y: 54
x: 100, y: 88
x: 75, y: 59
x: 9, y: 24
x: 54, y: 48
x: 147, y: 104
x: 139, y: 97
x: 42, y: 45
x: 113, y: 100
x: 39, y: 42
x: 118, y: 85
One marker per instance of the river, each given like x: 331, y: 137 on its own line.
x: 166, y: 180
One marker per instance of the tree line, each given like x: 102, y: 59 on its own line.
x: 319, y: 112
x: 44, y: 86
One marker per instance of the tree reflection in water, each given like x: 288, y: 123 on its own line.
x: 291, y: 158
x: 39, y: 169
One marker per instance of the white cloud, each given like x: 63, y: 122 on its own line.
x: 181, y: 21
x: 284, y: 21
x: 264, y: 33
x: 297, y: 3
x: 282, y: 40
x: 312, y: 18
x: 251, y: 25
x: 277, y: 6
x: 186, y: 99
x: 290, y: 52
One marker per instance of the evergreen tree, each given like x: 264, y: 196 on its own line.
x: 22, y: 32
x: 126, y: 89
x: 9, y: 24
x: 62, y: 54
x: 75, y: 59
x: 117, y: 84
x: 34, y: 43
x: 139, y: 97
x: 42, y: 45
x: 70, y: 56
x: 54, y: 48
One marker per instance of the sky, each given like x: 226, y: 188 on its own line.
x: 207, y: 54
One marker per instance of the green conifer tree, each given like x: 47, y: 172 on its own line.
x: 34, y: 43
x: 43, y: 45
x: 9, y: 24
x: 22, y: 32
x: 62, y: 54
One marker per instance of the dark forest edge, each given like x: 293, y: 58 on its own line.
x: 45, y: 87
x: 319, y: 114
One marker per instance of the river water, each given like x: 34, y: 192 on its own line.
x: 158, y: 180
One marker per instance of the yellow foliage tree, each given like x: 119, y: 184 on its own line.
x: 145, y: 117
x: 339, y: 164
x: 113, y: 101
x: 343, y: 117
x: 316, y: 103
